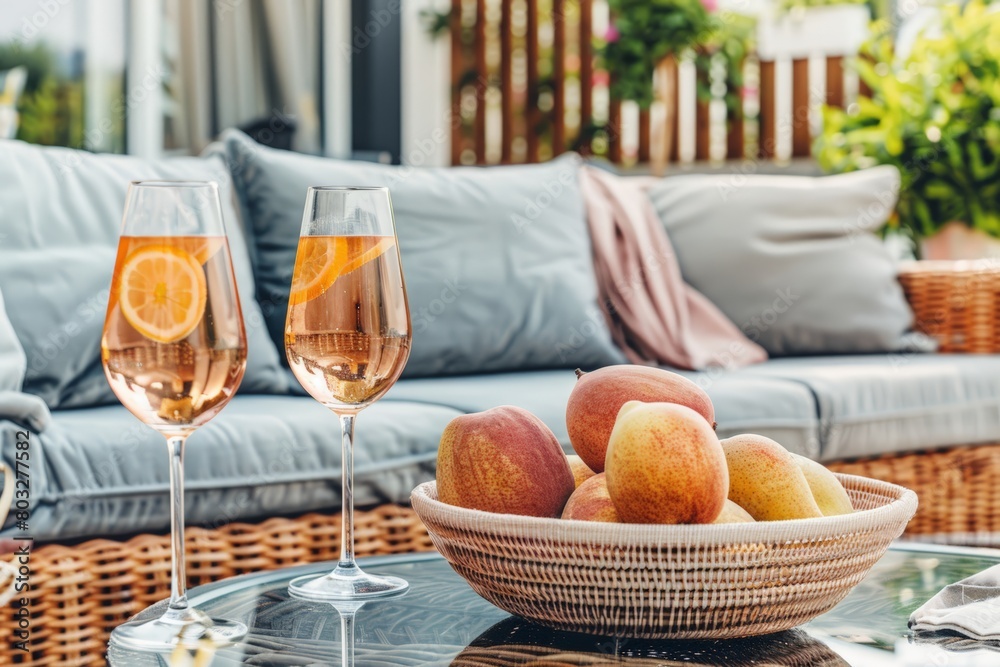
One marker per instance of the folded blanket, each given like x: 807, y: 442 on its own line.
x: 654, y: 316
x: 970, y: 608
x: 25, y: 410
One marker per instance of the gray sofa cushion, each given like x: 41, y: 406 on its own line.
x: 99, y: 472
x: 783, y: 410
x: 61, y: 215
x: 878, y: 404
x: 792, y: 260
x: 497, y: 261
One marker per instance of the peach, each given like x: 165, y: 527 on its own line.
x: 581, y: 472
x: 591, y: 502
x: 503, y: 460
x: 598, y: 396
x: 665, y: 465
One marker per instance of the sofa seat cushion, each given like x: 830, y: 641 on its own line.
x: 781, y: 409
x: 879, y: 404
x: 99, y: 472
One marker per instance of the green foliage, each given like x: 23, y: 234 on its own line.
x: 437, y: 23
x: 52, y: 115
x: 647, y: 32
x: 732, y: 39
x: 935, y: 115
x: 788, y: 5
x: 38, y: 60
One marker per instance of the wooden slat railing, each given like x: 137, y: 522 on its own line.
x: 549, y: 104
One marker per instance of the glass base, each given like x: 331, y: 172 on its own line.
x: 345, y: 583
x: 189, y: 628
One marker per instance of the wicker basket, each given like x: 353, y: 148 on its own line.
x: 668, y: 582
x: 958, y: 303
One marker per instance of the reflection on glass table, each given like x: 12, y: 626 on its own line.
x: 441, y: 621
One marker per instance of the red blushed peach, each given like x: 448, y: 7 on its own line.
x: 598, y: 396
x: 591, y: 502
x: 503, y: 460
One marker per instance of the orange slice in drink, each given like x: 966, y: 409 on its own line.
x: 162, y: 293
x: 202, y: 247
x: 320, y: 260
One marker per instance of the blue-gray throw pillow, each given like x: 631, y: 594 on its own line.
x: 497, y: 261
x: 60, y: 221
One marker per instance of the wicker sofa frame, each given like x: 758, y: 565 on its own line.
x: 80, y: 593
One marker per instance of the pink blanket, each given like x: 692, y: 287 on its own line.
x: 655, y: 317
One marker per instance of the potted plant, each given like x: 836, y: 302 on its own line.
x: 934, y: 113
x: 642, y: 40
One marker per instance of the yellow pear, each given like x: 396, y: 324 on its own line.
x: 827, y: 490
x: 765, y: 480
x: 733, y: 513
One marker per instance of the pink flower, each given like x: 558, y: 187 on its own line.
x: 611, y: 35
x: 710, y: 5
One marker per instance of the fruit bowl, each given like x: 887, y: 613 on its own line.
x: 668, y: 582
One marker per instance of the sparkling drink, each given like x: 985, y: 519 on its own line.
x: 174, y: 352
x: 172, y: 345
x: 347, y: 338
x: 347, y: 334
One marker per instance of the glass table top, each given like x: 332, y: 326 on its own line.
x: 441, y: 621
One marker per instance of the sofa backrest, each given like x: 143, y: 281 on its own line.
x: 60, y: 214
x: 497, y: 261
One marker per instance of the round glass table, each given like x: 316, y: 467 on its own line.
x: 441, y: 621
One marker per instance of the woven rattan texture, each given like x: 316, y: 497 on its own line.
x: 958, y: 303
x: 958, y: 487
x: 668, y: 582
x: 80, y: 593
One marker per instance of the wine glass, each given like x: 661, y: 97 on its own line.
x: 347, y: 337
x: 174, y: 351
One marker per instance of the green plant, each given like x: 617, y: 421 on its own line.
x: 732, y: 39
x: 935, y: 115
x: 788, y: 5
x: 642, y: 34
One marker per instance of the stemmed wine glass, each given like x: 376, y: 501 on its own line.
x: 347, y: 336
x: 174, y: 351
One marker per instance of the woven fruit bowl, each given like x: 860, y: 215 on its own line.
x: 668, y: 582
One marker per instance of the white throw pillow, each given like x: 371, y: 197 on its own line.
x: 792, y: 260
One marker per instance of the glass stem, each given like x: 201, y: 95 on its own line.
x: 347, y: 636
x: 178, y: 571
x: 347, y: 493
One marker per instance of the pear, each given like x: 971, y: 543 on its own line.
x: 665, y: 465
x: 827, y: 490
x: 766, y: 481
x: 733, y: 513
